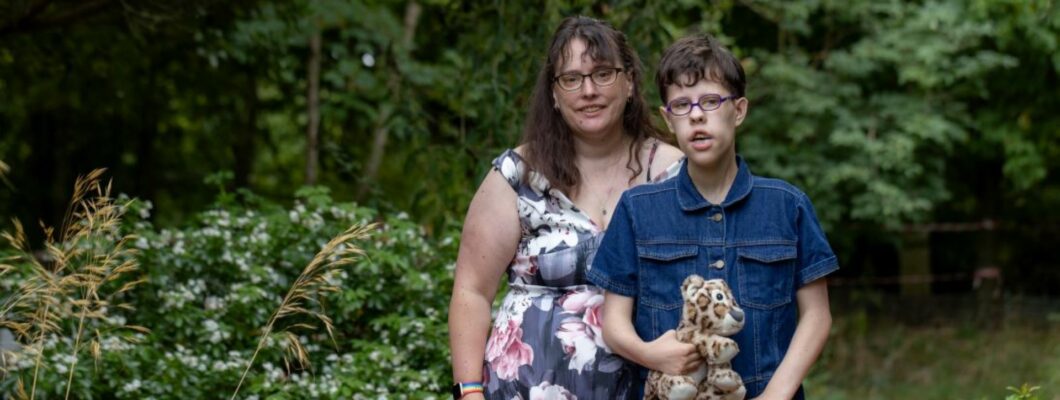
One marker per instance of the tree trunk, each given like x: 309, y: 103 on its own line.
x: 146, y: 174
x: 313, y: 110
x: 244, y: 141
x: 381, y: 133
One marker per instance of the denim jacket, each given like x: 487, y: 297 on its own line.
x: 764, y: 240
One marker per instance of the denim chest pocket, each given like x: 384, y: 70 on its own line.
x: 663, y: 268
x: 766, y: 275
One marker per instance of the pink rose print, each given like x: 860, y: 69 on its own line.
x: 588, y: 304
x: 506, y: 351
x: 548, y: 391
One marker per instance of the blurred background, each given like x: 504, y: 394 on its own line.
x: 926, y: 133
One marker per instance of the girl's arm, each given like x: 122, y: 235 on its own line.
x: 487, y: 245
x: 815, y: 320
x: 664, y: 354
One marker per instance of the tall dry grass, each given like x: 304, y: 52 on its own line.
x: 80, y: 274
x: 312, y: 283
x: 4, y: 169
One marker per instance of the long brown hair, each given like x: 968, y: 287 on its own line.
x: 547, y: 138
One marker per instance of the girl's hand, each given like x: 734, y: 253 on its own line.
x: 670, y: 356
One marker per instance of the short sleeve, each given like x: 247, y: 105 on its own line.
x: 615, y: 266
x: 511, y: 166
x: 816, y: 258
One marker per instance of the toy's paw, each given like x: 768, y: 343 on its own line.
x: 726, y: 379
x: 681, y: 391
x: 708, y: 392
x: 720, y: 349
x: 726, y: 351
x: 738, y: 394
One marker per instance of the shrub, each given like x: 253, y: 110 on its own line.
x: 212, y: 285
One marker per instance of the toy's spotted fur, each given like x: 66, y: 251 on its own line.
x: 710, y: 314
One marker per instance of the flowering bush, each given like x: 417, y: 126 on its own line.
x: 213, y: 284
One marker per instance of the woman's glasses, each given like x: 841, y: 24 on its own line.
x: 572, y: 81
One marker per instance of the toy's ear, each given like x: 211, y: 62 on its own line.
x: 691, y: 284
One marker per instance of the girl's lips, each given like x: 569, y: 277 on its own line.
x: 701, y: 141
x: 701, y: 144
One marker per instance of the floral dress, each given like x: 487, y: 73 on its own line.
x: 545, y: 342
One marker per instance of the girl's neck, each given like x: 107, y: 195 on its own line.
x: 714, y: 182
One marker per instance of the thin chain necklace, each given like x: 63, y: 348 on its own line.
x: 603, y: 203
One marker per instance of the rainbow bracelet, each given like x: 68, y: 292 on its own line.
x: 462, y: 389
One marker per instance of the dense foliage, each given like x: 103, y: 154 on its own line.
x: 211, y: 286
x: 876, y: 108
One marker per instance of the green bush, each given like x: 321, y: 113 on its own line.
x: 212, y: 285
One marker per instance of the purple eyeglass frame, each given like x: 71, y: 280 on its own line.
x: 721, y: 100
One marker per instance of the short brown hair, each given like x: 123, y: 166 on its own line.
x: 698, y: 57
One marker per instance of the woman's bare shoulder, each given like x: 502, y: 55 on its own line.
x: 667, y: 155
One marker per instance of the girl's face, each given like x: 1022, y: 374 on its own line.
x: 595, y: 108
x: 708, y: 138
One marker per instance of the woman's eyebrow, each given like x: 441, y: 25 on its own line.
x: 598, y: 65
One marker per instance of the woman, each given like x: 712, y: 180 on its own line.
x: 539, y: 215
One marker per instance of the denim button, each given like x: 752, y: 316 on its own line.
x: 718, y: 264
x: 716, y: 217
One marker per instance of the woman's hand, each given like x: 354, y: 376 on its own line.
x: 670, y: 356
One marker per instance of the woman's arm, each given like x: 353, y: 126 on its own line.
x: 664, y: 354
x: 487, y: 245
x: 815, y: 320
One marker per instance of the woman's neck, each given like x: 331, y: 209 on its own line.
x: 601, y: 164
x: 597, y: 153
x: 714, y: 182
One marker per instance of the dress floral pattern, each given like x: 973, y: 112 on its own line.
x: 545, y: 342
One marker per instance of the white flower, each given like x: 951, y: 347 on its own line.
x: 132, y: 386
x: 210, y: 325
x: 368, y: 60
x: 213, y: 303
x: 145, y: 212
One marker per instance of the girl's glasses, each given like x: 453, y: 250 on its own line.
x: 708, y: 102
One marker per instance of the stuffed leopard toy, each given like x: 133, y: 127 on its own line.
x: 710, y: 314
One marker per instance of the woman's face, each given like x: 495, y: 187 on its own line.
x: 592, y: 110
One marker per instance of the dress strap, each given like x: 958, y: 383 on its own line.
x: 651, y: 159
